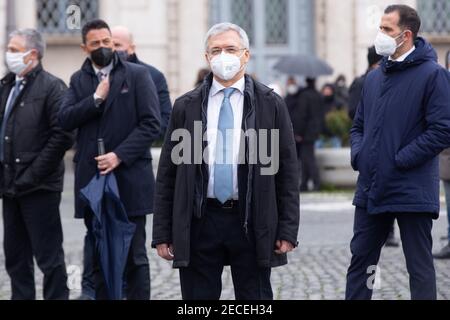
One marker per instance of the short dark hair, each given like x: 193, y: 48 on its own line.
x: 409, y: 18
x: 96, y: 24
x: 373, y: 57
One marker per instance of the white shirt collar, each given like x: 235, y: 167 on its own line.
x: 106, y: 70
x: 404, y: 56
x: 217, y: 87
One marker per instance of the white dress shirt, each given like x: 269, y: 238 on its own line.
x: 106, y: 70
x: 216, y: 97
x: 403, y: 56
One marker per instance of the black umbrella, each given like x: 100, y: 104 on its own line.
x: 303, y: 65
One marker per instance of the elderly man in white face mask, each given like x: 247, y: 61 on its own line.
x: 32, y: 147
x: 224, y: 211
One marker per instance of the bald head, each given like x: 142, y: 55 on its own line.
x: 123, y: 39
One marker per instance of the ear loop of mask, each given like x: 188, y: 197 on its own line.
x: 24, y: 56
x: 401, y: 34
x: 244, y: 65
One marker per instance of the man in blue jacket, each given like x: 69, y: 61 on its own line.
x: 401, y: 125
x: 116, y: 101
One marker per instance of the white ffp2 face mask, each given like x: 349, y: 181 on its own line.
x: 226, y: 66
x: 386, y: 45
x: 15, y: 62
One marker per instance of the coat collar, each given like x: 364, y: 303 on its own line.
x: 424, y: 52
x: 87, y: 65
x: 251, y: 87
x: 133, y: 58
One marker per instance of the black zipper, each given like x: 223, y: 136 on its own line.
x: 201, y: 166
x: 247, y: 200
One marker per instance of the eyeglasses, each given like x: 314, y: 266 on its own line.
x: 230, y: 50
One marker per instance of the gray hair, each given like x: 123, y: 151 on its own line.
x: 225, y: 27
x: 33, y: 40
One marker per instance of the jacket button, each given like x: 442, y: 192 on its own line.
x: 22, y: 104
x: 6, y: 138
x: 17, y: 160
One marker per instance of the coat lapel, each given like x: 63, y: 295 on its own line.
x: 118, y: 78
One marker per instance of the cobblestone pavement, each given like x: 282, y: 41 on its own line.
x: 316, y: 270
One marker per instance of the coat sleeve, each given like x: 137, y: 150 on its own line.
x: 75, y: 113
x: 286, y: 180
x: 59, y: 142
x: 357, y: 133
x: 354, y: 97
x: 165, y: 186
x: 147, y: 130
x: 164, y: 102
x: 436, y: 137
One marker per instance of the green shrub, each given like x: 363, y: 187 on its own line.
x: 339, y: 124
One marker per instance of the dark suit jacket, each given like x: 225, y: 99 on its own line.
x: 128, y: 122
x: 269, y: 204
x: 165, y: 105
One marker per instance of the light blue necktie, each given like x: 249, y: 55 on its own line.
x: 223, y: 168
x: 9, y: 106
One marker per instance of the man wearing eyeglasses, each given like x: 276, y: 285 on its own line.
x: 221, y: 210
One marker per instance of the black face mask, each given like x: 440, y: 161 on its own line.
x: 123, y: 54
x: 102, y: 56
x: 329, y: 99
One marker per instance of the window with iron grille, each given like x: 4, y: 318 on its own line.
x: 52, y: 15
x: 242, y: 15
x: 277, y: 22
x: 435, y: 16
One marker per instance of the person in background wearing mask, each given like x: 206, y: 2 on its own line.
x: 355, y: 96
x: 126, y: 48
x: 401, y: 125
x: 355, y: 92
x: 225, y: 211
x: 341, y: 90
x: 305, y: 107
x: 330, y: 103
x: 444, y: 167
x: 116, y: 101
x: 32, y: 148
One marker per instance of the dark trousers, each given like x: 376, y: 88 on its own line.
x: 32, y: 228
x: 370, y: 234
x: 87, y: 282
x: 137, y: 270
x: 306, y: 155
x: 218, y: 239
